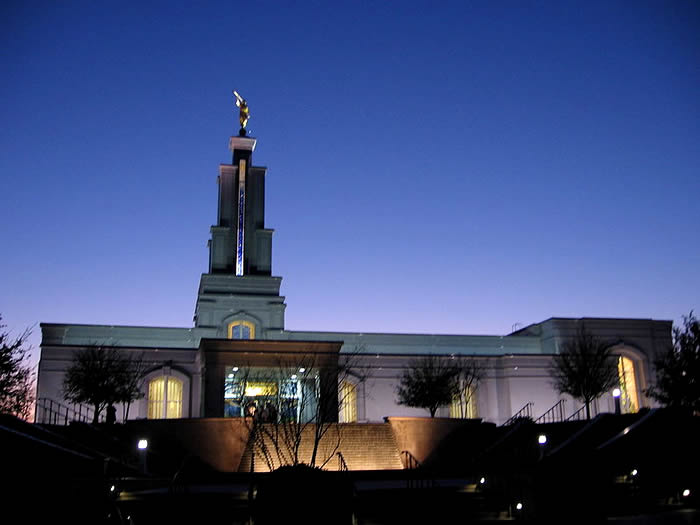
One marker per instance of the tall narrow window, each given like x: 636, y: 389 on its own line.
x: 240, y: 231
x: 628, y: 384
x: 348, y: 402
x: 463, y: 406
x: 241, y: 330
x: 165, y: 398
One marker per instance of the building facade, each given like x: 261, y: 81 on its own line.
x: 238, y: 357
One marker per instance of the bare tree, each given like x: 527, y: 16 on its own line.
x: 470, y: 373
x: 429, y: 382
x: 298, y: 422
x: 586, y: 368
x: 103, y: 376
x: 16, y: 389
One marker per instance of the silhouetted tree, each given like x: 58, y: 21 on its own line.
x: 299, y: 420
x: 16, y: 391
x: 586, y: 369
x: 429, y: 382
x: 470, y: 372
x: 678, y: 371
x: 101, y: 376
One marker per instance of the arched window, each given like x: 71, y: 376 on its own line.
x: 348, y: 402
x: 629, y: 397
x: 165, y: 398
x: 241, y: 330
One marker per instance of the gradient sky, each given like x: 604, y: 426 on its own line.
x: 435, y: 167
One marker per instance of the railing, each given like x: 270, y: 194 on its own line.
x: 523, y: 413
x: 342, y: 465
x: 580, y: 414
x: 409, y: 460
x: 411, y: 463
x: 554, y: 414
x: 50, y: 412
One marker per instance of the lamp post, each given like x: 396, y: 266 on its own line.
x: 142, y: 445
x: 542, y: 441
x: 616, y: 395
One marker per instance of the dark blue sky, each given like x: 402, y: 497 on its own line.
x: 438, y: 167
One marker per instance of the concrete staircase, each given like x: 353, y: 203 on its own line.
x: 363, y: 446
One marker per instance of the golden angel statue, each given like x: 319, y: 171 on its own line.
x: 244, y: 112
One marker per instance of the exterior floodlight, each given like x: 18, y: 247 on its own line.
x: 634, y: 472
x: 686, y: 493
x: 519, y: 506
x: 482, y: 480
x: 143, y: 444
x: 617, y: 392
x: 542, y: 439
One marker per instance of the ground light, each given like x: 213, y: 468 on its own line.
x: 616, y: 395
x: 143, y: 447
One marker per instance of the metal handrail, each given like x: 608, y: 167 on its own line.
x: 580, y: 414
x: 554, y: 414
x: 409, y: 460
x: 342, y: 465
x: 50, y: 412
x: 523, y: 413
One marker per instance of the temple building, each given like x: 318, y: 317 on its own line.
x: 238, y: 357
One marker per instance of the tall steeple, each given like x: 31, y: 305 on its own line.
x: 239, y: 286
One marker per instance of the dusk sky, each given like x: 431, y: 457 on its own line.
x: 433, y: 167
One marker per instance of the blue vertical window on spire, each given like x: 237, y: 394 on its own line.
x: 240, y: 232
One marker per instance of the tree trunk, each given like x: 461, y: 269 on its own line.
x: 96, y: 415
x: 588, y: 410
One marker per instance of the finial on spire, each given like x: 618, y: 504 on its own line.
x: 243, y: 113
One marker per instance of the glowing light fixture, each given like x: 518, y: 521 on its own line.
x: 302, y: 370
x: 482, y: 480
x: 230, y: 376
x: 686, y: 493
x: 294, y: 376
x: 112, y: 488
x: 634, y: 472
x: 617, y: 392
x: 542, y: 439
x: 519, y: 506
x: 143, y: 444
x: 235, y: 369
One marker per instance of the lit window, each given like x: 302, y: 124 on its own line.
x: 463, y: 406
x: 165, y: 398
x: 348, y: 402
x: 241, y: 330
x: 629, y: 398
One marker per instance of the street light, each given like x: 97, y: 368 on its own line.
x: 542, y: 439
x: 143, y: 452
x: 616, y: 395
